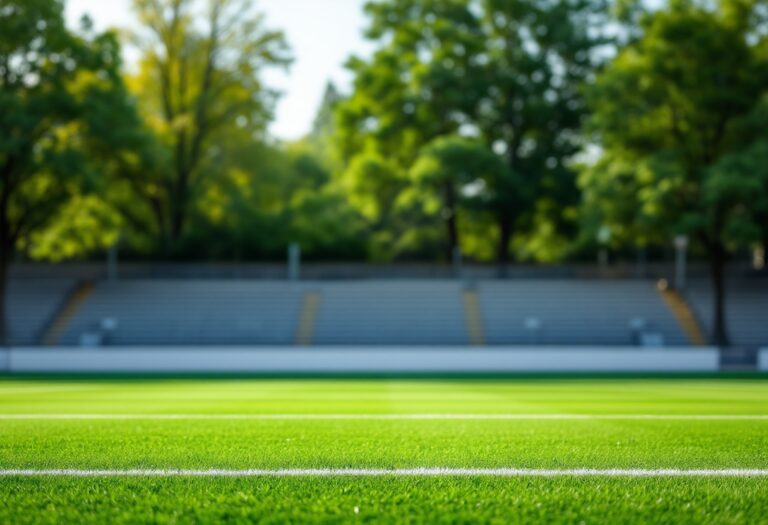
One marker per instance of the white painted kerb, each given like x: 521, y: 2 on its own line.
x: 762, y: 360
x: 360, y: 360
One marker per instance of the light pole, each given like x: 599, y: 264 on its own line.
x: 294, y: 262
x: 112, y: 261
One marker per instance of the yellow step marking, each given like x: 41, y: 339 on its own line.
x: 685, y: 317
x: 67, y: 312
x: 473, y: 318
x: 309, y: 310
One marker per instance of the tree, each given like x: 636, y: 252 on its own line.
x: 320, y: 138
x: 422, y: 83
x: 539, y: 54
x: 612, y: 198
x: 676, y: 104
x: 462, y: 172
x: 507, y: 72
x: 47, y: 77
x: 196, y: 80
x: 130, y: 160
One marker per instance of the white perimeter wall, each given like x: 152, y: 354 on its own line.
x: 361, y: 360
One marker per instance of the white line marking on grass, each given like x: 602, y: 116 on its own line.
x: 391, y: 417
x: 411, y: 472
x: 12, y: 390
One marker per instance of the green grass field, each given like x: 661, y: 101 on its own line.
x: 172, y: 425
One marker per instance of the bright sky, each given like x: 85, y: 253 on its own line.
x: 322, y: 34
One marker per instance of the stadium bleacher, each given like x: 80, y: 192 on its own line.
x: 746, y: 309
x: 197, y: 312
x: 391, y: 313
x: 575, y: 312
x: 546, y: 312
x: 32, y: 304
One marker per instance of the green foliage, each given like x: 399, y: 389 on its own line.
x: 48, y: 80
x: 251, y: 213
x: 463, y: 129
x: 373, y: 184
x: 675, y: 112
x: 326, y: 227
x: 198, y: 80
x: 506, y: 73
x: 459, y: 161
x: 738, y: 183
x: 612, y: 198
x: 676, y: 104
x: 84, y: 225
x: 320, y: 141
x: 539, y: 56
x: 454, y: 173
x: 420, y: 85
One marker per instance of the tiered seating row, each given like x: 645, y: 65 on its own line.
x: 419, y: 312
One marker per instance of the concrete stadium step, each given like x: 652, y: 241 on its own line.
x: 31, y: 306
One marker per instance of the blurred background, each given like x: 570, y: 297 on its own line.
x: 387, y: 172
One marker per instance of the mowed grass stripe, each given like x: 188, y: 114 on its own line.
x: 391, y: 417
x: 550, y: 396
x: 95, y: 501
x: 412, y: 472
x: 291, y: 444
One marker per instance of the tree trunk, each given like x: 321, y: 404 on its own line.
x: 719, y: 325
x: 177, y: 226
x: 453, y: 235
x: 7, y: 244
x: 162, y: 225
x: 451, y: 220
x: 5, y: 256
x: 178, y: 219
x: 505, y: 235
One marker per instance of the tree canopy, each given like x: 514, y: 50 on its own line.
x: 505, y: 73
x: 200, y: 75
